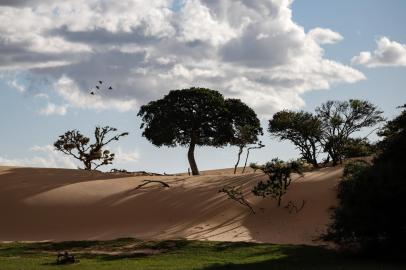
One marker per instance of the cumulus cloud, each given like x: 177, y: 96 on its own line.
x: 325, y: 36
x: 251, y: 50
x: 53, y: 109
x: 16, y: 85
x: 387, y: 53
x: 123, y: 156
x: 45, y: 156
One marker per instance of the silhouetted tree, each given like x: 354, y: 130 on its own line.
x: 258, y: 146
x: 340, y: 119
x: 370, y: 213
x: 279, y: 173
x: 74, y: 144
x: 195, y: 116
x: 303, y: 129
x: 245, y: 125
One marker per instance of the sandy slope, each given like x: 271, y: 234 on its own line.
x: 58, y: 204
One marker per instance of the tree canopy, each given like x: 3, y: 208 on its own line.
x: 303, y: 129
x: 340, y: 119
x: 74, y: 144
x: 245, y: 125
x: 196, y: 116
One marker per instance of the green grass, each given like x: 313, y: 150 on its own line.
x: 180, y: 254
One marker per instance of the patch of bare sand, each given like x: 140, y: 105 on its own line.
x: 60, y: 204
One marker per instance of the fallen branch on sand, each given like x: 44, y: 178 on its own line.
x: 236, y: 194
x: 146, y: 182
x: 140, y: 173
x: 291, y: 206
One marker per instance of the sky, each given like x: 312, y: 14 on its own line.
x: 272, y: 54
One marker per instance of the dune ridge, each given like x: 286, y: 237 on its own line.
x: 39, y: 204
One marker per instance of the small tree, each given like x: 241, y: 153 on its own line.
x: 74, y: 144
x: 245, y: 125
x: 340, y: 119
x: 302, y: 129
x: 258, y: 146
x: 279, y: 173
x: 195, y: 116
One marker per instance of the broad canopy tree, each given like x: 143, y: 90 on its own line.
x: 74, y: 144
x: 196, y: 116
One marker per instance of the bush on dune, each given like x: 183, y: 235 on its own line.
x: 371, y: 214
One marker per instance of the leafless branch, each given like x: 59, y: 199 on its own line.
x: 236, y: 194
x: 146, y: 182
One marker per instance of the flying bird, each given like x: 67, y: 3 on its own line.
x: 92, y: 93
x: 100, y: 82
x: 97, y: 87
x: 110, y: 88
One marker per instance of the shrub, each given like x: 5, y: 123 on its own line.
x: 358, y: 147
x: 370, y: 214
x: 279, y: 173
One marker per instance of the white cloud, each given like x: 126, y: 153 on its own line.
x: 70, y: 92
x: 251, y: 50
x: 388, y: 53
x: 53, y: 109
x: 122, y: 156
x: 324, y: 36
x: 16, y: 85
x: 45, y: 157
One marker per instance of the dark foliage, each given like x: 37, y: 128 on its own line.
x: 245, y: 125
x: 74, y: 144
x: 303, y: 129
x: 279, y: 173
x: 371, y: 213
x: 340, y: 119
x: 196, y: 116
x: 358, y: 147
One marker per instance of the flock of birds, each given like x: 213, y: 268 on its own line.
x: 98, y: 87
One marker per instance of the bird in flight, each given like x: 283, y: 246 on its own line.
x: 98, y: 87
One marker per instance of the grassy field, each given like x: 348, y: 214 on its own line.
x: 179, y: 254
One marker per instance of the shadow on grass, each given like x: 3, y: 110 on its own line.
x: 302, y: 258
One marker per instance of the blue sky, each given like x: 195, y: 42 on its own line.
x: 45, y: 76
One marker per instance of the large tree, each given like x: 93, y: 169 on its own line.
x: 340, y: 119
x: 74, y: 144
x: 245, y: 125
x: 190, y: 117
x: 303, y: 129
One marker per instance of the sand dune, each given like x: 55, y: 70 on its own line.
x: 58, y: 204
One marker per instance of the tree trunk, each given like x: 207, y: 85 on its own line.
x: 238, y: 160
x: 88, y: 165
x: 246, y: 160
x: 191, y: 158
